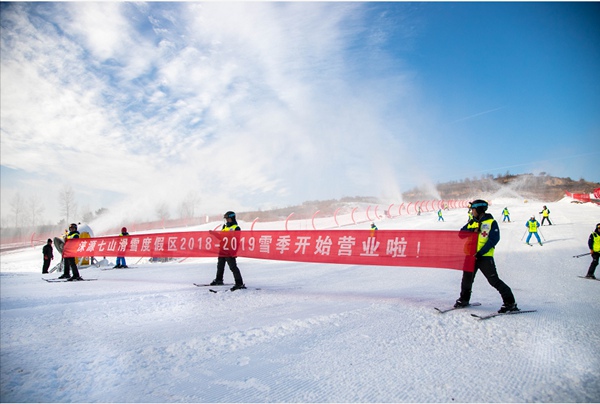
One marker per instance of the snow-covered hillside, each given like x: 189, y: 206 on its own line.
x: 311, y: 332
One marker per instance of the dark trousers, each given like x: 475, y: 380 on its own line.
x: 546, y: 218
x: 46, y: 266
x: 70, y: 264
x: 594, y: 264
x: 232, y: 262
x: 488, y: 269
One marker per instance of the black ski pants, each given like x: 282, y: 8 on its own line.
x: 70, y: 264
x: 488, y: 269
x: 46, y: 266
x: 232, y: 262
x: 594, y: 264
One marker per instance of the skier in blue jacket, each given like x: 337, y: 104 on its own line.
x: 533, y: 225
x: 506, y: 215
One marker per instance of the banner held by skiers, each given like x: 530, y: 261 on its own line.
x: 405, y: 248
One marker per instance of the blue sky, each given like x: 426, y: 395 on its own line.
x: 258, y: 104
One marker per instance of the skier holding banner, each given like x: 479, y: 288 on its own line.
x: 489, y: 234
x: 121, y: 263
x: 70, y: 263
x: 230, y: 225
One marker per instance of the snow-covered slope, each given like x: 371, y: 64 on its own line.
x: 311, y: 332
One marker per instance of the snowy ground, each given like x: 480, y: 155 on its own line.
x: 312, y: 332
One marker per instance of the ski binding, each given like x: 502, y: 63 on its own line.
x: 445, y: 310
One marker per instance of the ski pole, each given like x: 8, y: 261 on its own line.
x: 523, y: 236
x: 581, y: 255
x: 541, y: 235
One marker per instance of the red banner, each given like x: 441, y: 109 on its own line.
x: 403, y: 248
x: 579, y: 197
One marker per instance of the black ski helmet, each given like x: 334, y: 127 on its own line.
x: 229, y: 214
x: 479, y: 205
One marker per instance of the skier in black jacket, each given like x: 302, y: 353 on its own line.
x: 48, y: 256
x: 489, y: 234
x: 227, y: 257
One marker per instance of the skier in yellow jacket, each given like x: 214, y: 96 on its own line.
x: 489, y: 234
x: 229, y: 225
x: 594, y: 245
x: 532, y: 225
x: 545, y: 215
x: 506, y: 215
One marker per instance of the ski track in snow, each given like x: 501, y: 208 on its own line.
x: 312, y: 333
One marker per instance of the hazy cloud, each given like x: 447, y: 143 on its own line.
x: 251, y: 105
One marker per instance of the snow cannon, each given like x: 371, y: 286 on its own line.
x: 85, y: 231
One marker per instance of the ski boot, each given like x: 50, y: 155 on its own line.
x: 508, y: 307
x: 461, y: 303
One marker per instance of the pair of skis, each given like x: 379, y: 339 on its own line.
x: 111, y: 268
x: 201, y: 285
x: 484, y: 316
x: 66, y: 280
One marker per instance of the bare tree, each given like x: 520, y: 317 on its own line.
x: 187, y: 208
x: 34, y: 210
x: 68, y: 206
x: 162, y: 211
x: 86, y: 214
x: 17, y: 208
